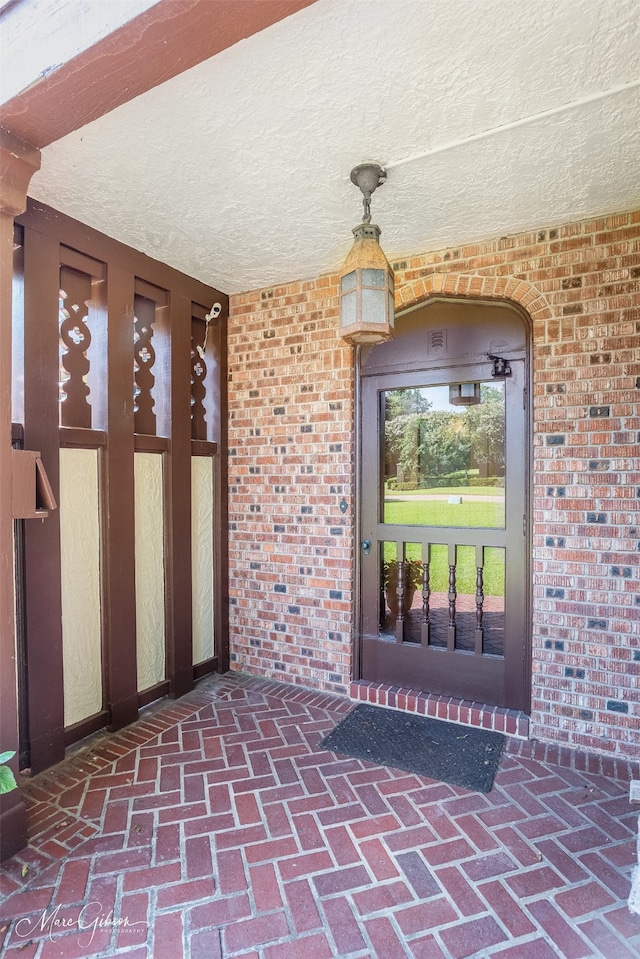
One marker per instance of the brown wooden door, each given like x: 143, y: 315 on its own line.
x: 444, y: 593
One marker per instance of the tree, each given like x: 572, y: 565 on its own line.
x: 421, y: 442
x: 485, y: 427
x: 403, y: 412
x: 444, y: 444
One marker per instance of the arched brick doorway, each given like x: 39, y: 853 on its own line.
x: 444, y: 493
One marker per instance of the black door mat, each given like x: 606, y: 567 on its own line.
x: 462, y: 755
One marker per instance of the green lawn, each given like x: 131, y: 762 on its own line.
x: 417, y: 512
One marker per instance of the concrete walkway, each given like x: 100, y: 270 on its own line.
x: 215, y: 827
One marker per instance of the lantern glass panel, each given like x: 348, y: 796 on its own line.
x: 348, y: 282
x: 373, y: 277
x: 348, y: 309
x: 374, y: 306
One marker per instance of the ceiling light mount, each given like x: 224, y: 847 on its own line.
x: 368, y: 177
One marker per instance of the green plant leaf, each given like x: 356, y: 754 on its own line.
x: 5, y: 757
x: 7, y: 780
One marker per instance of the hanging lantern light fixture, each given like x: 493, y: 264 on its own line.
x: 464, y: 394
x: 366, y: 279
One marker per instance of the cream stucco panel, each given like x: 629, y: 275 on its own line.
x: 81, y: 607
x: 149, y: 566
x: 202, y: 556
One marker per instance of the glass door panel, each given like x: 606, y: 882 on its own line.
x: 444, y: 455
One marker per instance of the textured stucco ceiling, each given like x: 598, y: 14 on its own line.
x: 237, y: 171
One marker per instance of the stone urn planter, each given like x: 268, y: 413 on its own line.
x: 412, y: 581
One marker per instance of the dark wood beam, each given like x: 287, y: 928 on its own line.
x: 170, y: 37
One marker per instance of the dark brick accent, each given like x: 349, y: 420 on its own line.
x: 557, y: 644
x: 617, y: 706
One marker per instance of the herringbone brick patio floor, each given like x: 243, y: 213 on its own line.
x: 215, y: 827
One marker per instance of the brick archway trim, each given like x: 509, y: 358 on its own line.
x: 486, y: 287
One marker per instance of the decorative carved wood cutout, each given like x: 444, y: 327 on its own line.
x: 198, y: 381
x: 144, y: 359
x: 75, y: 339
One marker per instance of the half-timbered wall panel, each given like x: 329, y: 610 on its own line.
x: 105, y: 349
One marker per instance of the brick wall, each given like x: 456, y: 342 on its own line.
x: 291, y: 486
x: 291, y: 467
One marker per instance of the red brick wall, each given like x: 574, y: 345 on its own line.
x: 291, y: 464
x: 290, y: 468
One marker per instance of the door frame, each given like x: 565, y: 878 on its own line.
x: 361, y: 356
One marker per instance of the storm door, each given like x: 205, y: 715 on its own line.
x: 443, y: 531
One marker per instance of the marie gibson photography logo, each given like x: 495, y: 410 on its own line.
x: 89, y: 919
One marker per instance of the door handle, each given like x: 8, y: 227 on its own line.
x: 366, y: 546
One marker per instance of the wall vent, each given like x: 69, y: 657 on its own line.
x: 437, y: 342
